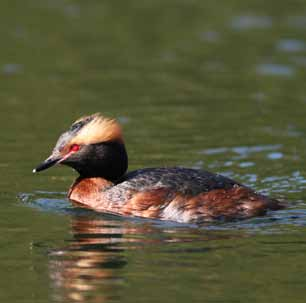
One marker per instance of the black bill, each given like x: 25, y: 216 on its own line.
x: 46, y: 164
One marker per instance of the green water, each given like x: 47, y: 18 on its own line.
x: 218, y: 85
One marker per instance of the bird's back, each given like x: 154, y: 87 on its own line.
x: 184, y: 181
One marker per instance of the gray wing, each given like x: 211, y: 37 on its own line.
x: 182, y: 180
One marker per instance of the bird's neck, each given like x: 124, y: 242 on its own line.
x: 106, y: 160
x: 87, y: 191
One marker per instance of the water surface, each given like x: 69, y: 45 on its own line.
x: 217, y: 86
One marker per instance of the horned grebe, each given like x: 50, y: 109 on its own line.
x: 94, y: 147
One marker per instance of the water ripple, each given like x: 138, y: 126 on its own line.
x: 12, y: 69
x: 272, y: 69
x: 291, y: 45
x: 242, y: 151
x: 247, y: 22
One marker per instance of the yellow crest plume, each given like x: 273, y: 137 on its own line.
x: 98, y: 129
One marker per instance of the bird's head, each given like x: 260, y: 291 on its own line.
x: 93, y: 146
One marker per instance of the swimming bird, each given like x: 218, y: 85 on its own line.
x: 94, y: 147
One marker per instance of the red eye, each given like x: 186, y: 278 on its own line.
x: 74, y: 147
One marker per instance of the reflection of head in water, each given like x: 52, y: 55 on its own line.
x: 88, y: 269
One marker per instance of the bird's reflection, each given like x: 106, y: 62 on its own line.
x: 91, y: 267
x: 88, y: 268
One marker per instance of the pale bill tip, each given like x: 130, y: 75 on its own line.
x: 34, y: 171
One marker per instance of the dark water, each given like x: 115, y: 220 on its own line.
x: 216, y: 85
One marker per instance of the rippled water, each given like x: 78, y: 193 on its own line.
x: 218, y: 86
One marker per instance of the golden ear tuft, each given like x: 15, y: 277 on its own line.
x: 97, y: 129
